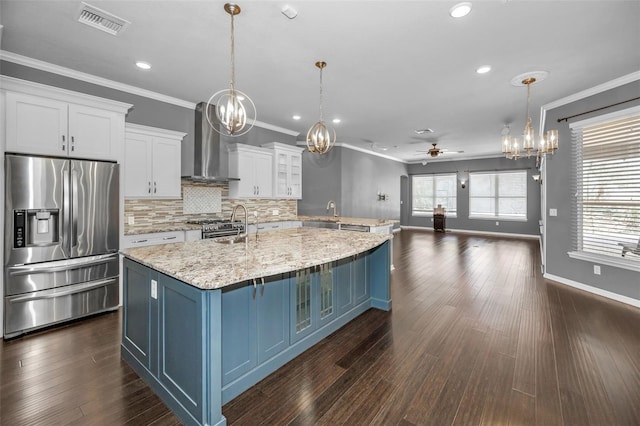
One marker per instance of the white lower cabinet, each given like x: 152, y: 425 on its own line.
x: 152, y: 162
x: 152, y: 239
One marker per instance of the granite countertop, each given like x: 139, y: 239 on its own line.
x: 351, y: 220
x: 183, y: 226
x: 208, y: 265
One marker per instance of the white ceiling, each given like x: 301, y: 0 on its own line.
x: 393, y: 66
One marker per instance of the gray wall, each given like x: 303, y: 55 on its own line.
x: 363, y: 176
x: 558, y: 195
x: 321, y: 182
x: 352, y: 179
x: 462, y: 221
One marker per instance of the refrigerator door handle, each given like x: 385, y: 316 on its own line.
x: 66, y: 211
x: 74, y: 208
x: 49, y: 294
x: 61, y: 265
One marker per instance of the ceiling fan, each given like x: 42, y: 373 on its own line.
x: 435, y: 151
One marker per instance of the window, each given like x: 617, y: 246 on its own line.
x: 430, y: 190
x: 498, y: 195
x: 606, y: 184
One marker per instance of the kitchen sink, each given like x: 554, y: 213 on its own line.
x: 232, y: 240
x: 326, y: 224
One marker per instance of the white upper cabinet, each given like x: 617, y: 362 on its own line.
x: 44, y: 120
x: 253, y: 165
x: 151, y: 162
x: 287, y: 170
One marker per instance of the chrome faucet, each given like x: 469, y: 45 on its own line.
x: 246, y: 219
x: 332, y: 205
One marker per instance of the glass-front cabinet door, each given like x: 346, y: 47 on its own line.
x: 313, y: 300
x: 282, y: 174
x: 302, y: 299
x: 326, y: 298
x: 295, y: 176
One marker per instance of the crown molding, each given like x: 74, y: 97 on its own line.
x: 625, y: 79
x: 355, y: 148
x: 612, y: 84
x: 89, y: 78
x: 275, y: 128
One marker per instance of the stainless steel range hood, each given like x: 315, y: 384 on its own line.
x: 211, y: 157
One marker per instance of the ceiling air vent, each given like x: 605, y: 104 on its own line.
x: 98, y: 18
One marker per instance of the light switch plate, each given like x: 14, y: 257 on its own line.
x: 596, y: 269
x: 154, y: 289
x: 553, y: 212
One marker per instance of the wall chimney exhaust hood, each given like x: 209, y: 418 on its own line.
x: 211, y: 157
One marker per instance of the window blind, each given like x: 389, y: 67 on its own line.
x: 498, y: 195
x: 606, y: 184
x: 430, y: 190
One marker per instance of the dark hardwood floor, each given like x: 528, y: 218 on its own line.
x: 476, y: 336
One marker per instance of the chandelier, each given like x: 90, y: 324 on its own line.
x: 512, y: 147
x: 320, y: 137
x: 231, y: 104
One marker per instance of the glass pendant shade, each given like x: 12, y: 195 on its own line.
x: 515, y: 148
x: 235, y: 111
x: 320, y: 137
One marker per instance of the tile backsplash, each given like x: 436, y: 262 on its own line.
x: 201, y: 201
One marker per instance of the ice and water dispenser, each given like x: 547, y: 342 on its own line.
x: 37, y: 227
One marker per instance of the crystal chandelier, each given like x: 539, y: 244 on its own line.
x: 320, y: 137
x: 547, y: 144
x: 235, y: 111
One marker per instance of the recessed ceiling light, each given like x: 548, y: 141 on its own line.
x: 460, y: 10
x: 143, y: 65
x: 336, y: 120
x: 296, y: 117
x: 289, y: 12
x: 483, y: 69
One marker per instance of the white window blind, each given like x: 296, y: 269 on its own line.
x: 606, y: 184
x: 430, y: 190
x: 498, y: 195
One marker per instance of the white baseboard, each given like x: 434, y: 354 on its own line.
x: 594, y: 290
x: 468, y: 231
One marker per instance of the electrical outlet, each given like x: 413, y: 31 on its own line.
x: 497, y: 223
x: 131, y: 220
x: 276, y: 212
x: 553, y: 212
x: 596, y: 269
x: 154, y: 289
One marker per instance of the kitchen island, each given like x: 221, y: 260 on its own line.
x: 204, y: 321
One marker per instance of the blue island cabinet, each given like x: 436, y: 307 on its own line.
x: 198, y: 349
x: 164, y: 325
x: 256, y: 324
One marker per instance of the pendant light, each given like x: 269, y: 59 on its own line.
x: 548, y: 144
x: 235, y: 112
x: 320, y: 137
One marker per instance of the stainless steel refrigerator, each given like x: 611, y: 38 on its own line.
x: 61, y: 240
